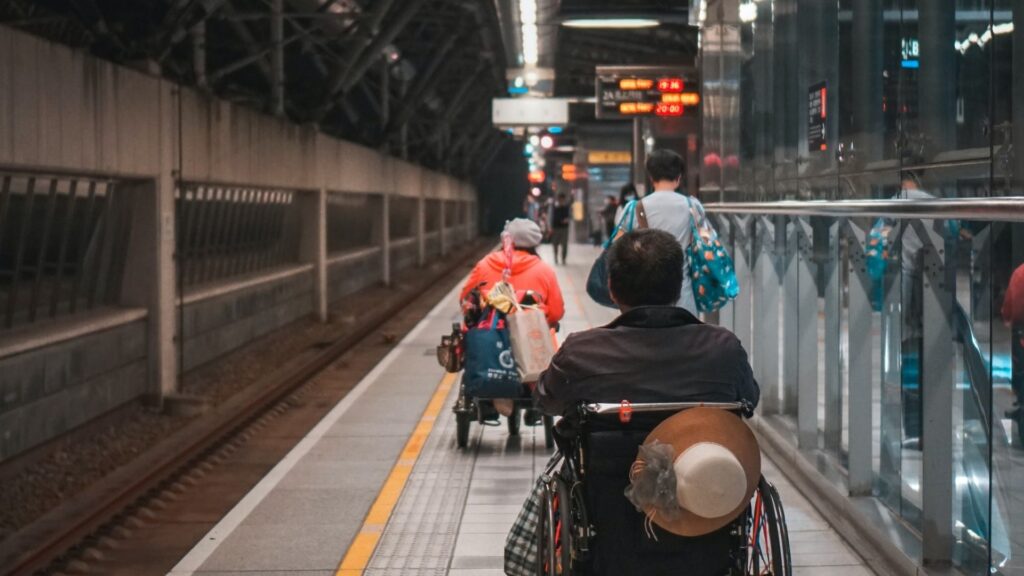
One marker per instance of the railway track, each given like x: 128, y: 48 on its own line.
x: 71, y: 543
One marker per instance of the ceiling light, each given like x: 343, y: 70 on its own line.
x: 611, y: 23
x: 547, y: 142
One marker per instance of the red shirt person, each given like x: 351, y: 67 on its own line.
x: 529, y: 272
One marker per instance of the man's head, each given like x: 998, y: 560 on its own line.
x: 563, y: 198
x: 645, y: 268
x: 665, y: 169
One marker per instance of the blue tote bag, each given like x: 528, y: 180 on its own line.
x: 490, y: 370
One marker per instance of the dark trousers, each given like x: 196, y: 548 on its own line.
x: 560, y: 239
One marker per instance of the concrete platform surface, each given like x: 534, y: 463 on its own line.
x: 379, y: 487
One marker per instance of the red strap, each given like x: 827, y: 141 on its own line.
x: 509, y: 249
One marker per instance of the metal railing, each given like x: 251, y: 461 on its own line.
x: 224, y: 232
x: 899, y: 372
x: 1009, y: 209
x: 63, y: 244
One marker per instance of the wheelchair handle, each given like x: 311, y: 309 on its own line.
x: 601, y: 408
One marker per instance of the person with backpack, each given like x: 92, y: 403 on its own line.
x: 669, y: 209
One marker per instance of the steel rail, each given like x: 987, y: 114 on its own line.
x: 40, y: 555
x: 1008, y: 209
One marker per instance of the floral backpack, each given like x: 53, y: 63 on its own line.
x: 711, y: 269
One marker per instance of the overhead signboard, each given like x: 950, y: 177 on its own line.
x: 599, y: 157
x: 817, y: 117
x: 631, y: 91
x: 510, y: 112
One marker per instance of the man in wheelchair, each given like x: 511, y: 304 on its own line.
x: 654, y: 352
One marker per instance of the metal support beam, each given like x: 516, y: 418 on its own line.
x: 833, y: 425
x: 766, y: 312
x: 937, y: 389
x: 277, y: 58
x: 198, y: 33
x: 806, y: 338
x: 426, y: 79
x: 742, y: 255
x: 860, y: 362
x: 362, y: 55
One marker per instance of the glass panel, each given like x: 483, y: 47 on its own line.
x: 1007, y: 334
x: 945, y: 91
x: 869, y: 64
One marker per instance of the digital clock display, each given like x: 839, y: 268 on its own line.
x: 631, y: 91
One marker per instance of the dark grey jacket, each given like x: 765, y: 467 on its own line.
x: 649, y: 354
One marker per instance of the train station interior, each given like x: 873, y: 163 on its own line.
x: 235, y: 238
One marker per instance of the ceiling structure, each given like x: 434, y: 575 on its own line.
x: 413, y: 77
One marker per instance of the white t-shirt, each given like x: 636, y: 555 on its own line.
x: 669, y: 211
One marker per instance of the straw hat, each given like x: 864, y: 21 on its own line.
x: 696, y: 471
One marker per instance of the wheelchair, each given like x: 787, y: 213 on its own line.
x: 570, y: 527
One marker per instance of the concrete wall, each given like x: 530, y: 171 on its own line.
x: 353, y: 271
x: 220, y: 323
x: 53, y: 388
x: 62, y: 111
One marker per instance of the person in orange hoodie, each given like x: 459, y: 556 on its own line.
x: 529, y: 274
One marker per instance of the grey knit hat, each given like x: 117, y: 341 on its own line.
x: 525, y: 233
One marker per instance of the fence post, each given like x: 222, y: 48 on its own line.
x: 385, y: 238
x: 313, y: 245
x: 936, y: 386
x: 442, y: 217
x: 421, y: 229
x: 766, y: 315
x: 861, y: 413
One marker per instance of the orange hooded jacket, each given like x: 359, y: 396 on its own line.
x: 529, y: 272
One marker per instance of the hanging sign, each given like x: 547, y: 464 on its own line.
x: 817, y: 117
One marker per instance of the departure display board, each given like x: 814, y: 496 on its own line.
x: 817, y: 117
x: 631, y: 91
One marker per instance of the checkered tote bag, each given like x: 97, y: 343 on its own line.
x: 521, y: 544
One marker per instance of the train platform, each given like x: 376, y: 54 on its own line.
x: 378, y: 487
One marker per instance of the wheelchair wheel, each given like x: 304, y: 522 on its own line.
x: 462, y: 420
x: 554, y: 551
x: 769, y: 537
x: 513, y: 421
x: 549, y: 432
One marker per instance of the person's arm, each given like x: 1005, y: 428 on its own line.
x: 747, y: 388
x: 555, y: 304
x: 472, y: 282
x: 553, y: 392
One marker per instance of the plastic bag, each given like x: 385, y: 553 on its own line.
x: 531, y: 342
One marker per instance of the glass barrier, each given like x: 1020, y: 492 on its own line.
x: 893, y: 348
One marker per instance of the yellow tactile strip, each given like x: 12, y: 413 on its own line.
x: 359, y: 553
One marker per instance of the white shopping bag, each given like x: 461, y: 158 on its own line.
x: 532, y: 346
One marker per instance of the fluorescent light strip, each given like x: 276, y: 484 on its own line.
x: 611, y: 23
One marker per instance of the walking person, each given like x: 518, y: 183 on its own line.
x: 668, y: 208
x: 560, y: 215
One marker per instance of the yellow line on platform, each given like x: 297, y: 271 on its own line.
x: 359, y: 553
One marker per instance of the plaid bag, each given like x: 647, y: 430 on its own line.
x: 521, y: 543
